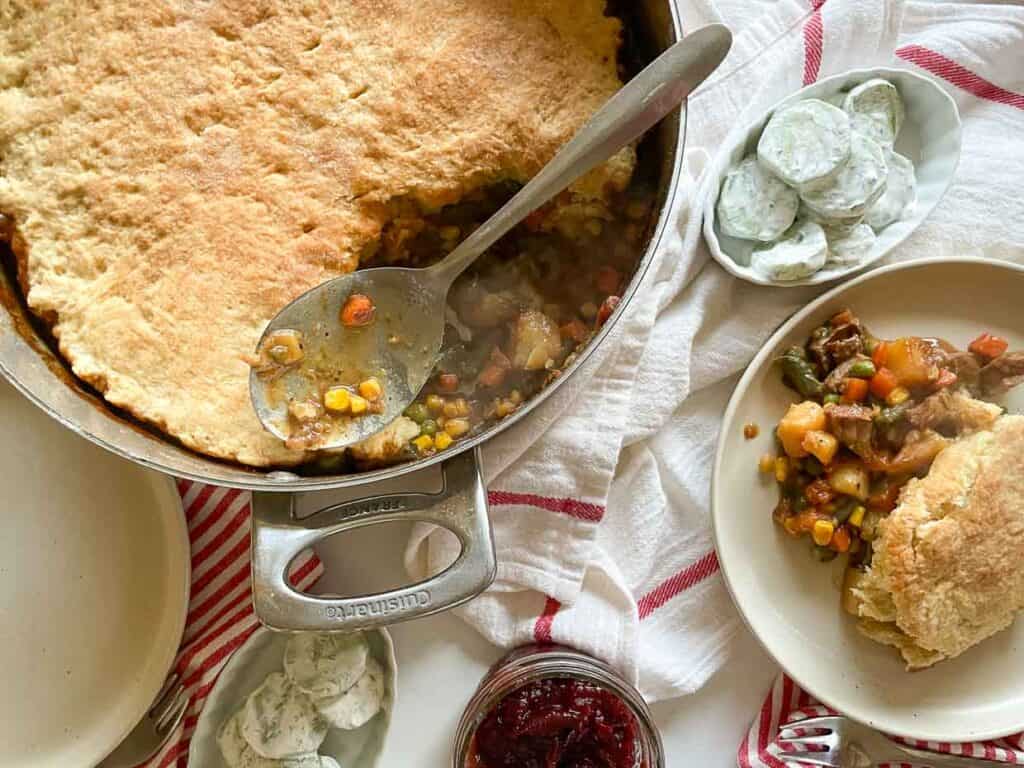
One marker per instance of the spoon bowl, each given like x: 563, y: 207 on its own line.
x: 401, y: 345
x: 398, y: 348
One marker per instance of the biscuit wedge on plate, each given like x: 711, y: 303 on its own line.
x: 946, y: 572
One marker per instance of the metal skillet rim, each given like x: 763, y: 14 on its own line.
x: 288, y: 482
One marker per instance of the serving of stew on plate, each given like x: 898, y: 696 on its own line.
x: 873, y: 413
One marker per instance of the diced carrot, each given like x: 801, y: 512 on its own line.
x: 607, y: 280
x: 448, y: 382
x: 881, y: 354
x: 988, y: 347
x: 497, y: 368
x: 841, y: 539
x: 946, y: 379
x: 882, y: 383
x: 607, y: 307
x: 357, y: 311
x: 855, y: 390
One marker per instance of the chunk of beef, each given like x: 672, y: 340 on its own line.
x: 844, y: 340
x: 964, y: 365
x: 853, y: 426
x: 1002, y: 374
x: 953, y: 412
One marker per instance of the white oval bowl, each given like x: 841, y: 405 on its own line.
x: 930, y: 139
x: 262, y: 654
x: 790, y: 601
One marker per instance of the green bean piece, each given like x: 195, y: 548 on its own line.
x: 844, y: 509
x: 417, y: 412
x: 800, y: 373
x: 833, y: 399
x: 862, y: 369
x: 428, y: 427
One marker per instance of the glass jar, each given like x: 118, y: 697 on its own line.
x: 531, y: 663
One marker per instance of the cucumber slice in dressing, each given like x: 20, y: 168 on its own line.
x: 859, y: 183
x: 805, y: 143
x: 876, y: 110
x: 800, y: 253
x: 753, y: 204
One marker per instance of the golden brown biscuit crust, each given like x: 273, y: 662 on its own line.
x: 950, y: 554
x: 180, y: 170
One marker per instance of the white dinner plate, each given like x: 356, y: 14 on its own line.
x: 259, y: 656
x: 94, y: 577
x: 790, y: 601
x: 930, y: 139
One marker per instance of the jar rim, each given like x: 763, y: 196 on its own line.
x: 528, y: 664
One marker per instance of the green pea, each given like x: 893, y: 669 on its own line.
x: 417, y: 412
x: 862, y: 369
x: 428, y: 427
x: 833, y: 399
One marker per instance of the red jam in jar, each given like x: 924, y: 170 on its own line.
x: 550, y: 706
x: 558, y: 723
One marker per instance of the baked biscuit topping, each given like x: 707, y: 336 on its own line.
x: 178, y: 171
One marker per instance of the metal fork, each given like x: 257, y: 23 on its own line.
x: 839, y: 742
x: 155, y: 728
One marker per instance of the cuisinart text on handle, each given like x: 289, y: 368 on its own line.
x: 380, y: 607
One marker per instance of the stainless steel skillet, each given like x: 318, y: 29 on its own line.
x: 374, y: 497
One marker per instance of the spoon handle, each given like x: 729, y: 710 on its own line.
x: 637, y: 107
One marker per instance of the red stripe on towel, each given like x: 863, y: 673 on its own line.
x: 814, y: 40
x: 542, y: 629
x: 581, y: 510
x: 689, y: 577
x: 958, y: 75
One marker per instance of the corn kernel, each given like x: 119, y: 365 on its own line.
x: 781, y: 469
x: 503, y: 408
x: 371, y: 389
x: 897, y: 396
x: 515, y: 396
x: 766, y: 463
x: 358, y: 405
x: 442, y: 441
x: 435, y: 403
x: 792, y: 526
x: 456, y: 427
x: 463, y: 406
x: 423, y: 443
x: 450, y: 232
x: 822, y: 532
x: 857, y: 516
x: 338, y: 400
x: 451, y: 409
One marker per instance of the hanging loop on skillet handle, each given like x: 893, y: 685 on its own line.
x: 277, y: 537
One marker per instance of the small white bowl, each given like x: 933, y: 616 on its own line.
x: 930, y: 138
x: 262, y: 654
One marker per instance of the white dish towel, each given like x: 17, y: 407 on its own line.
x: 600, y: 500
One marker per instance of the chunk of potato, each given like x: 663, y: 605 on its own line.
x: 851, y: 480
x: 800, y: 419
x: 535, y: 341
x: 821, y: 445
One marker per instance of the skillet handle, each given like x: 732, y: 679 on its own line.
x: 277, y: 537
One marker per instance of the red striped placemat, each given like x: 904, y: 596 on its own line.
x: 220, y: 615
x: 788, y: 703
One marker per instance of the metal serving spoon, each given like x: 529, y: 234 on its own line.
x: 400, y: 347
